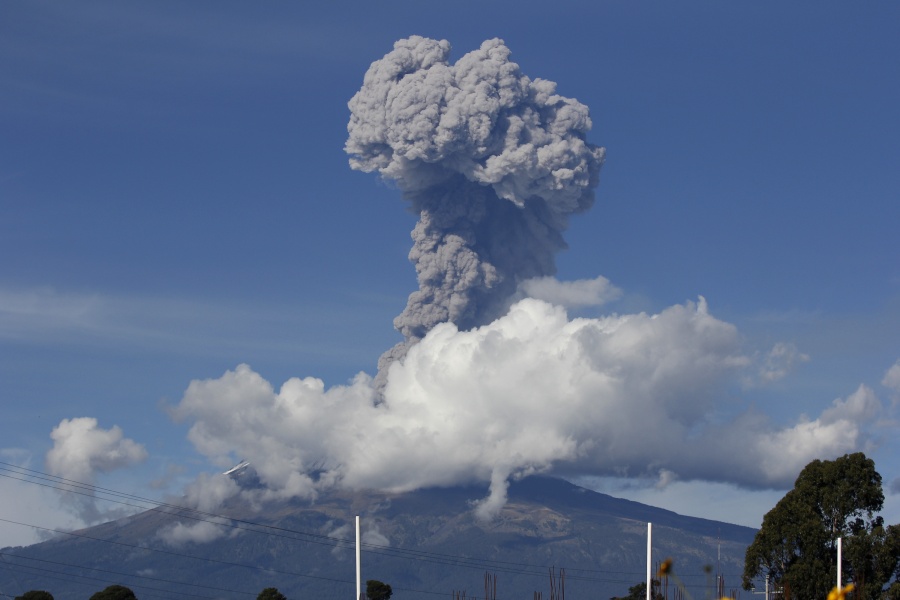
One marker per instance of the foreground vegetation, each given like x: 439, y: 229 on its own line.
x: 796, y: 548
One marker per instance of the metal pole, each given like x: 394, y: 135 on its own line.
x: 649, y: 546
x: 358, y: 580
x: 839, y: 564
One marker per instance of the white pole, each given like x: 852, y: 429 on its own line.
x: 358, y: 580
x: 649, y: 545
x: 839, y: 564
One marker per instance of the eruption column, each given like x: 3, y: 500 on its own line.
x: 493, y: 163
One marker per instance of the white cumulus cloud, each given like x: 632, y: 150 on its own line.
x: 838, y: 430
x: 82, y: 449
x: 534, y: 391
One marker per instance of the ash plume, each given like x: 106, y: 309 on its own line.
x: 494, y: 380
x: 493, y: 163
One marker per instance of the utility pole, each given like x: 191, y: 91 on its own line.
x: 358, y: 580
x: 753, y: 589
x: 719, y: 581
x: 839, y: 561
x: 649, y: 571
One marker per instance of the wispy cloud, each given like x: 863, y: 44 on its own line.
x: 33, y: 504
x: 147, y: 52
x: 179, y: 44
x: 780, y: 361
x: 184, y: 326
x: 571, y: 294
x: 892, y: 377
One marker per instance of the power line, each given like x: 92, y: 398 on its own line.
x: 71, y: 486
x: 67, y: 577
x: 178, y: 554
x: 269, y: 569
x: 86, y: 489
x: 130, y: 575
x: 184, y: 512
x: 133, y: 546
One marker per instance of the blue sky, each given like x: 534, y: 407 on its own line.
x: 175, y: 201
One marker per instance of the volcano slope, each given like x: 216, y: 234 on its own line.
x: 425, y: 544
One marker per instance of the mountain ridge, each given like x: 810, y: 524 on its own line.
x: 422, y: 543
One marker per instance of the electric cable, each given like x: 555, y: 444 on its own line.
x: 66, y: 485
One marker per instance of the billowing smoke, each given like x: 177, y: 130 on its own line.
x: 494, y: 380
x: 493, y: 163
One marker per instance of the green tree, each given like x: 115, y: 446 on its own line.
x: 639, y: 592
x: 114, y: 592
x: 271, y: 594
x: 376, y: 590
x: 872, y: 560
x: 796, y: 547
x: 35, y: 595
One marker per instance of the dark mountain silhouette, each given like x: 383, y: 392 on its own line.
x: 425, y: 544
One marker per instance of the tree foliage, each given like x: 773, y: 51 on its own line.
x: 796, y: 547
x: 114, y: 592
x: 376, y: 590
x: 872, y: 559
x: 35, y: 595
x: 639, y: 592
x: 271, y: 594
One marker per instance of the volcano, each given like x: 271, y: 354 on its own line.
x: 423, y: 543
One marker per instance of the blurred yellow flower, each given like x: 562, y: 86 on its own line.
x: 666, y: 568
x: 840, y: 593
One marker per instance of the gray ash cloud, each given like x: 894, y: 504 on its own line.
x: 493, y: 162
